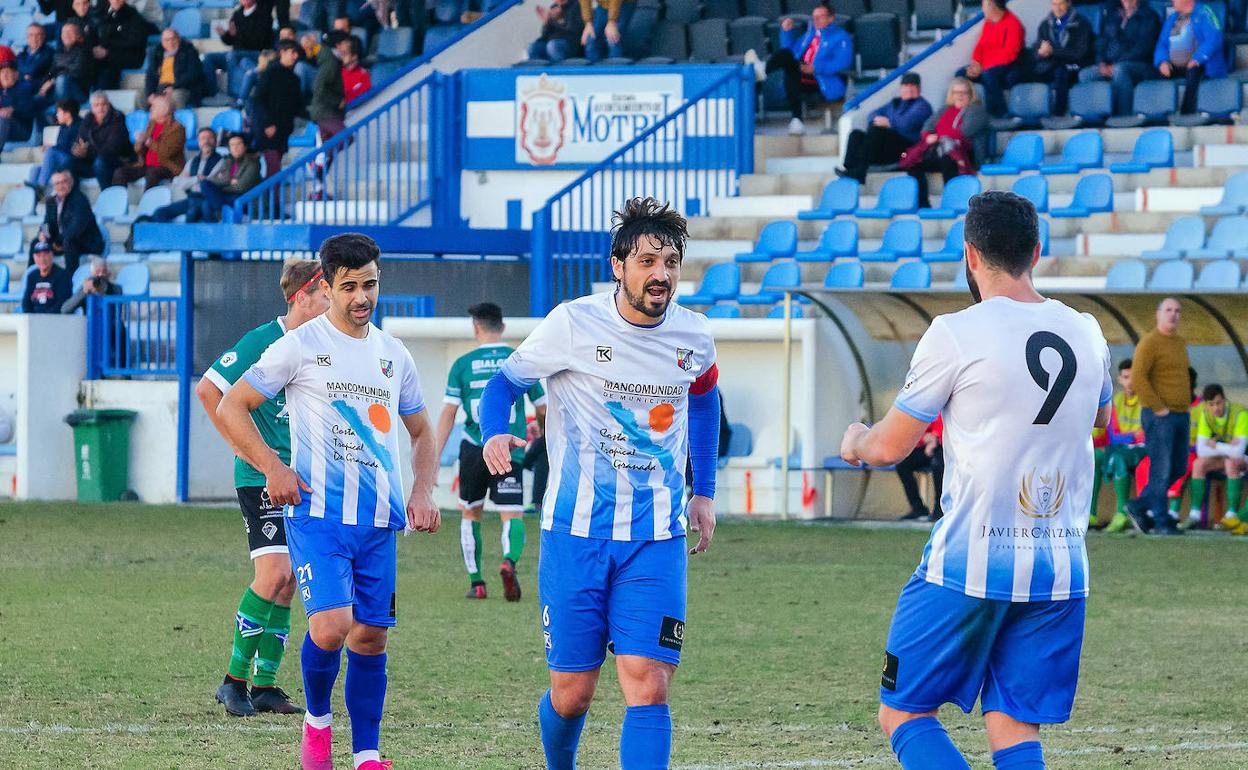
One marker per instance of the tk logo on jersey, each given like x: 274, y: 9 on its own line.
x: 323, y: 360
x: 684, y: 358
x: 387, y: 367
x: 603, y: 354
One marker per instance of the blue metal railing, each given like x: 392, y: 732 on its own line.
x: 376, y: 172
x: 403, y: 306
x: 132, y: 336
x: 571, y: 233
x: 910, y: 64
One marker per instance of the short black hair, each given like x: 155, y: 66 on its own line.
x: 69, y: 105
x: 284, y: 45
x: 647, y: 217
x: 1212, y: 391
x: 999, y: 3
x: 202, y: 129
x: 231, y: 137
x: 825, y: 5
x: 488, y: 315
x: 348, y: 251
x: 1004, y: 228
x: 1124, y: 364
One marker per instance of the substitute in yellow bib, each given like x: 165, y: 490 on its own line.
x: 1221, y: 435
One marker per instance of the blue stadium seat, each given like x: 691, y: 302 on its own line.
x: 955, y: 198
x: 1035, y: 188
x: 394, y: 44
x: 1218, y: 276
x: 840, y: 196
x: 1152, y: 102
x: 1175, y: 275
x: 305, y: 139
x: 79, y: 277
x: 847, y: 275
x: 10, y: 239
x: 778, y: 240
x: 112, y: 203
x: 1094, y: 193
x: 740, y: 440
x: 230, y: 121
x: 899, y: 195
x: 1026, y: 105
x: 1084, y: 150
x: 903, y: 238
x: 1089, y: 105
x: 1154, y: 149
x: 839, y: 239
x: 437, y: 37
x: 952, y: 250
x: 912, y: 275
x: 19, y: 203
x: 782, y: 275
x: 1127, y: 274
x: 1044, y: 236
x: 1183, y: 235
x: 187, y: 118
x: 1025, y: 152
x: 778, y: 311
x: 135, y: 280
x: 1234, y: 197
x: 188, y: 23
x: 4, y: 281
x: 721, y: 281
x: 1218, y: 101
x: 959, y: 280
x: 152, y: 199
x: 724, y: 311
x: 135, y: 122
x: 1228, y: 239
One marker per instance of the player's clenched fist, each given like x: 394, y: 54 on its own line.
x: 284, y: 485
x: 422, y: 514
x: 497, y: 452
x: 849, y: 443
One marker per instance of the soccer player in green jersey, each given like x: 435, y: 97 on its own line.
x: 1221, y: 435
x: 262, y: 622
x: 465, y: 384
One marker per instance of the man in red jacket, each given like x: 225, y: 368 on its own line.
x: 994, y: 62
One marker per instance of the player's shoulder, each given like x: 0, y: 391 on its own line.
x: 263, y: 335
x: 687, y: 320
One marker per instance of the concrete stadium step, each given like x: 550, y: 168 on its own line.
x: 775, y: 206
x: 1219, y: 155
x: 802, y: 164
x: 783, y: 146
x: 1178, y: 199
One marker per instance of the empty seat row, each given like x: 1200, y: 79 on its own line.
x: 1174, y: 275
x: 899, y: 196
x: 1185, y: 239
x: 1025, y: 152
x: 1154, y: 102
x: 722, y: 283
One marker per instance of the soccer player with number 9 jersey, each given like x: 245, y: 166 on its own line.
x: 995, y: 610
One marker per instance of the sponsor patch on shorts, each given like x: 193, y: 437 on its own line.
x: 889, y: 678
x: 672, y: 634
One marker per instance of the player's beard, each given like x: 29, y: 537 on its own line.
x: 972, y: 284
x: 353, y: 320
x: 640, y: 302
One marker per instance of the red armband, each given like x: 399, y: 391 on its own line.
x: 705, y: 382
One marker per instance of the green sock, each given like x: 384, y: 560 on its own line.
x: 513, y: 539
x: 1122, y: 493
x: 272, y: 647
x: 253, y: 614
x: 1175, y: 502
x: 1096, y: 493
x: 1234, y: 490
x: 470, y: 544
x: 1198, y: 497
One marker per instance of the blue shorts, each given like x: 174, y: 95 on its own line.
x: 1019, y: 658
x: 597, y: 593
x: 339, y: 565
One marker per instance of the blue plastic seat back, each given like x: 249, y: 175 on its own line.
x: 955, y: 239
x: 135, y: 279
x: 135, y: 122
x: 18, y: 202
x: 912, y: 275
x: 721, y: 281
x: 724, y: 311
x: 1223, y: 274
x: 1095, y: 192
x: 112, y: 202
x: 4, y: 278
x: 1155, y: 147
x: 394, y: 43
x: 1029, y: 101
x: 1235, y: 193
x: 1092, y: 101
x: 778, y: 239
x: 1035, y: 188
x: 1229, y: 233
x: 1172, y: 274
x: 959, y: 191
x: 782, y: 275
x: 153, y: 198
x: 740, y: 440
x: 840, y: 196
x: 1220, y: 97
x: 840, y: 238
x: 847, y: 275
x: 1025, y: 151
x: 1126, y: 274
x: 227, y: 120
x: 187, y: 118
x: 1185, y: 234
x: 1044, y: 236
x: 1155, y: 99
x: 904, y: 237
x: 900, y: 193
x: 778, y: 311
x: 188, y: 23
x: 10, y: 239
x: 1085, y: 149
x: 79, y: 277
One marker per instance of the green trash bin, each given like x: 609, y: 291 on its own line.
x: 101, y: 453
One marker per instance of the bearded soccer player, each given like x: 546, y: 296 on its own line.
x: 630, y: 382
x: 1221, y: 434
x: 348, y: 385
x: 464, y: 387
x: 263, y: 618
x: 1020, y: 381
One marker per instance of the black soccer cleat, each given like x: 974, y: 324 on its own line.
x: 273, y: 700
x: 511, y: 585
x: 233, y: 695
x: 475, y: 591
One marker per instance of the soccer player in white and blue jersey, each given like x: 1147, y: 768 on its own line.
x: 630, y: 382
x: 995, y: 610
x: 348, y: 386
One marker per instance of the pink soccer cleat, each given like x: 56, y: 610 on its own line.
x: 373, y: 764
x: 316, y: 750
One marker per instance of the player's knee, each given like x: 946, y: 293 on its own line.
x: 571, y: 701
x: 890, y: 718
x: 472, y: 514
x: 328, y: 636
x: 286, y: 593
x: 367, y: 640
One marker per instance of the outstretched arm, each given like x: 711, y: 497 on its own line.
x: 886, y: 443
x: 500, y: 396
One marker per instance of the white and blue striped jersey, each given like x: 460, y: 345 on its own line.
x: 616, y: 415
x: 1019, y: 385
x: 345, y: 396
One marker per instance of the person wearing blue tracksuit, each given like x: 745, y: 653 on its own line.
x: 814, y: 62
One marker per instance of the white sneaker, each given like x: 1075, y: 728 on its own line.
x: 760, y: 69
x: 797, y: 127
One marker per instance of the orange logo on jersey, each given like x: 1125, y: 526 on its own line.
x: 379, y: 416
x: 661, y: 417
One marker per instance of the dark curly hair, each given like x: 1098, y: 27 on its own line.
x: 647, y: 217
x: 1005, y: 229
x: 348, y: 251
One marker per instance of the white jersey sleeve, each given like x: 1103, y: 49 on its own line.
x: 411, y: 401
x: 544, y: 353
x: 277, y: 366
x: 933, y: 372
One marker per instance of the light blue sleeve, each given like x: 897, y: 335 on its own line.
x: 277, y: 366
x: 411, y: 400
x: 933, y: 374
x: 543, y: 353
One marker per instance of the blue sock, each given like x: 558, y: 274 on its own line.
x: 1021, y: 756
x: 646, y: 740
x: 560, y: 736
x: 923, y: 744
x: 320, y: 671
x: 365, y: 694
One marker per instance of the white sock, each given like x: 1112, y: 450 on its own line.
x: 1194, y: 514
x: 360, y: 757
x: 320, y: 722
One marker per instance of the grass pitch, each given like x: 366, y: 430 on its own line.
x: 115, y: 625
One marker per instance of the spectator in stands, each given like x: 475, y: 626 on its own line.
x: 355, y: 79
x: 160, y: 148
x: 605, y: 22
x: 232, y: 177
x: 69, y: 224
x: 246, y: 94
x: 1189, y: 48
x: 250, y: 31
x: 85, y: 17
x: 1159, y: 372
x: 121, y: 42
x: 927, y: 456
x: 98, y: 283
x: 305, y: 68
x: 339, y: 31
x: 72, y: 68
x: 891, y: 129
x: 1124, y: 49
x: 278, y: 9
x: 814, y: 64
x: 34, y: 63
x: 278, y: 101
x: 17, y: 106
x: 310, y: 43
x: 561, y: 32
x: 104, y: 141
x: 61, y: 10
x: 1064, y: 45
x: 320, y: 14
x: 196, y: 170
x: 948, y: 143
x: 994, y: 62
x: 60, y: 155
x: 174, y: 71
x: 48, y: 285
x: 329, y: 101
